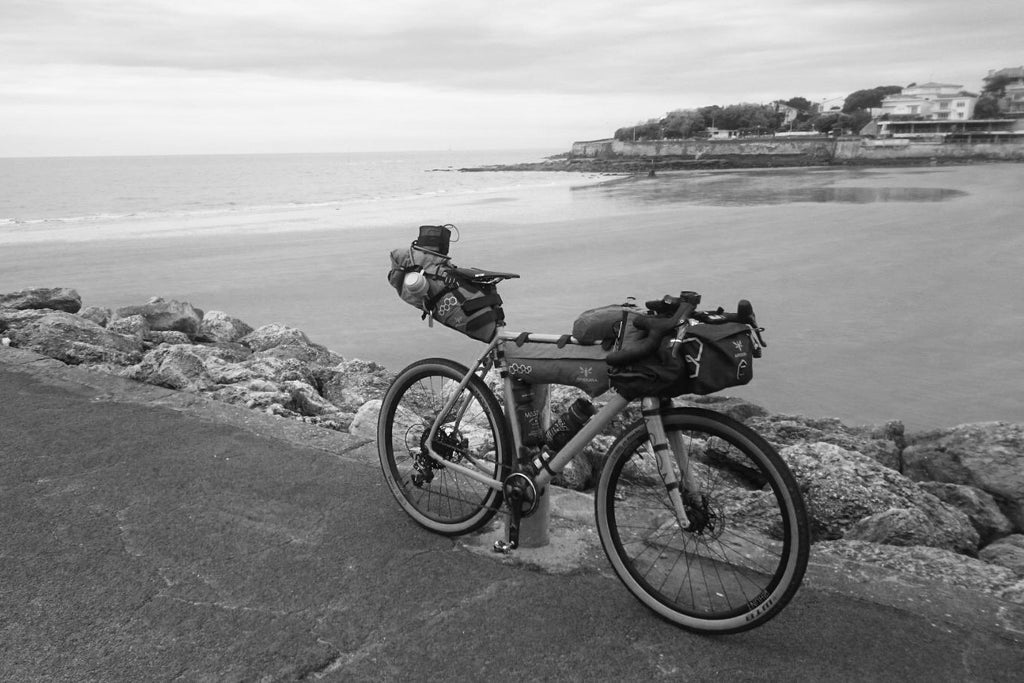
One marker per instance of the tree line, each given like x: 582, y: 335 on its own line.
x: 767, y: 119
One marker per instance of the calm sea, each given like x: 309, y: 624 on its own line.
x: 886, y: 293
x: 95, y: 188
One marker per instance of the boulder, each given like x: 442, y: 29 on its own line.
x: 909, y: 527
x: 980, y: 508
x: 1006, y: 552
x: 736, y: 408
x: 269, y: 336
x: 57, y: 299
x: 882, y: 443
x: 164, y: 315
x: 986, y: 455
x: 929, y: 564
x: 364, y: 423
x: 130, y: 326
x: 842, y: 487
x: 73, y: 340
x: 167, y: 337
x: 100, y: 316
x: 218, y: 326
x: 175, y: 367
x: 352, y: 383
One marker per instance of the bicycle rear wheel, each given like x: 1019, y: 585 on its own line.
x: 473, y: 434
x: 746, y: 551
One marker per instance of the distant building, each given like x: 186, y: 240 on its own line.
x: 722, y: 133
x: 830, y: 104
x: 1012, y: 102
x: 930, y: 101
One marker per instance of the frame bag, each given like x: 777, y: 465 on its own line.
x: 572, y: 364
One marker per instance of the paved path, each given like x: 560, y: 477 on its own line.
x: 148, y: 535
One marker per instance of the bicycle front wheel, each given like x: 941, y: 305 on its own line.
x: 472, y: 434
x: 744, y: 554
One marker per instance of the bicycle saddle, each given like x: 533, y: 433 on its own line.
x: 481, y: 275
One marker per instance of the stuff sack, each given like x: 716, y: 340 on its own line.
x: 713, y: 357
x: 603, y: 325
x: 574, y: 365
x: 451, y: 299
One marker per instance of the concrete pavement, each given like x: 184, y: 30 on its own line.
x: 147, y: 534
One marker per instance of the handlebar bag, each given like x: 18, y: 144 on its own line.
x: 713, y: 357
x: 457, y: 302
x: 573, y: 365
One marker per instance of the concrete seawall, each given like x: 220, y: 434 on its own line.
x: 815, y: 150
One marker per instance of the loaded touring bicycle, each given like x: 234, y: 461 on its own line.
x: 700, y: 518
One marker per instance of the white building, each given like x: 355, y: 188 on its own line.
x: 931, y: 102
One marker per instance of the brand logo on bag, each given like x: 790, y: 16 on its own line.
x: 519, y: 369
x: 738, y: 345
x: 447, y: 304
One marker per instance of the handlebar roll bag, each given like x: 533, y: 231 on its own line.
x: 713, y: 357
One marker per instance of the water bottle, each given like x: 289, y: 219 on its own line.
x: 527, y: 415
x: 415, y: 286
x: 569, y: 423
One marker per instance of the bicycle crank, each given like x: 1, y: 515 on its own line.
x: 522, y: 499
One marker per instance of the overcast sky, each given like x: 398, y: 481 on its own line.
x: 225, y: 76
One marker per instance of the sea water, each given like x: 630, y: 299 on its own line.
x: 885, y: 293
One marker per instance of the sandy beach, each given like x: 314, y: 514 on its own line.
x: 879, y: 304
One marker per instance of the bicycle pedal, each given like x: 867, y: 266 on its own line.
x: 504, y: 547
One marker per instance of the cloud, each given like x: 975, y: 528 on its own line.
x: 529, y: 70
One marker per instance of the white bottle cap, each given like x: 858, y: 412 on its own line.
x: 416, y: 284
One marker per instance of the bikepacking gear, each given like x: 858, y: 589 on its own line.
x: 604, y: 325
x: 571, y: 364
x: 712, y: 358
x: 456, y: 301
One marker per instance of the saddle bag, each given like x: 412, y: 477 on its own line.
x: 573, y: 365
x: 453, y: 300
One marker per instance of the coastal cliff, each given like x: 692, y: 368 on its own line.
x: 946, y: 504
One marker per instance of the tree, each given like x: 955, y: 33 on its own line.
x: 987, y: 107
x: 996, y: 85
x: 801, y: 104
x: 682, y: 123
x: 868, y: 99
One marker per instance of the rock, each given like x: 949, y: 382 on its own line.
x: 166, y: 316
x: 364, y: 423
x: 931, y: 564
x: 11, y: 318
x: 100, y: 316
x: 843, y: 487
x: 167, y: 337
x: 987, y: 455
x: 909, y: 527
x: 73, y: 340
x: 131, y: 326
x: 57, y: 299
x: 1006, y: 552
x: 217, y: 326
x: 352, y: 383
x: 882, y: 443
x: 736, y: 408
x: 175, y: 367
x: 980, y: 508
x: 305, y: 400
x: 269, y: 336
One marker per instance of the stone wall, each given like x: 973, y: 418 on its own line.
x: 809, y: 150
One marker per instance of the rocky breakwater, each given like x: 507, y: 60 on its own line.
x: 946, y: 505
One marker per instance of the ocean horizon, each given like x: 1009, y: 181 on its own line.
x: 886, y: 293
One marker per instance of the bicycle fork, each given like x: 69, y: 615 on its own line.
x: 666, y: 455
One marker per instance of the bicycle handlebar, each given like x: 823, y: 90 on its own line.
x: 657, y: 328
x: 672, y: 312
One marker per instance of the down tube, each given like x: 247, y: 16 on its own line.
x: 576, y: 444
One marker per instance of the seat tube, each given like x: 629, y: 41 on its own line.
x: 650, y: 408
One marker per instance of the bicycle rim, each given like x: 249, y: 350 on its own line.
x: 472, y: 435
x: 748, y: 554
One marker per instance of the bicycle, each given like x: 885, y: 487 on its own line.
x: 699, y: 516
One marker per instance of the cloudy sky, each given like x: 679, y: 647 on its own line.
x: 84, y: 77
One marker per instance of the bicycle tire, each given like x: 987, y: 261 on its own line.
x: 747, y: 561
x: 440, y: 499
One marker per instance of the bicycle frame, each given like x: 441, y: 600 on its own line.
x: 651, y: 408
